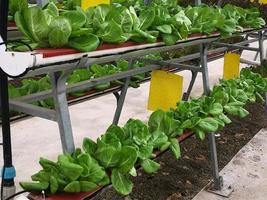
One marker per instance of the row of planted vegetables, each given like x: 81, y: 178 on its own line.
x: 113, y: 158
x: 122, y: 21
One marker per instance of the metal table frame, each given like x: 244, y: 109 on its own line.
x: 59, y: 72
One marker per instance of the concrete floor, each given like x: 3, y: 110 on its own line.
x: 35, y: 137
x: 246, y: 172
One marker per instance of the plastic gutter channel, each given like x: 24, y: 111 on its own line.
x: 90, y: 195
x: 108, y: 52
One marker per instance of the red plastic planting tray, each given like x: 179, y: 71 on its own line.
x: 67, y: 51
x: 11, y: 24
x: 83, y: 195
x: 48, y: 52
x: 78, y: 196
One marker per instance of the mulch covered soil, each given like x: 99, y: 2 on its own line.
x: 183, y: 179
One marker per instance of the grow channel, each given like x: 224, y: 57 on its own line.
x: 59, y: 62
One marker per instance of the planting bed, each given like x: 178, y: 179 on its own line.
x: 183, y: 179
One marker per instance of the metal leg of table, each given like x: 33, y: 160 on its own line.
x: 8, y: 171
x: 58, y: 81
x: 197, y: 2
x: 256, y: 56
x: 264, y: 38
x: 217, y: 186
x: 117, y: 96
x: 147, y: 2
x: 122, y: 96
x: 204, y: 66
x: 219, y: 3
x: 261, y: 48
x: 190, y: 87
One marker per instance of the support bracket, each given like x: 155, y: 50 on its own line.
x: 61, y: 106
x: 121, y: 97
x: 171, y: 64
x: 224, y: 191
x: 235, y: 46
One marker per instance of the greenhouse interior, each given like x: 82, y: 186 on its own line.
x: 133, y: 99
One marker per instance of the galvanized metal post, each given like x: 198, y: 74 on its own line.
x: 217, y: 180
x: 206, y: 87
x: 261, y: 48
x: 121, y: 99
x: 204, y: 65
x: 147, y: 2
x: 8, y: 171
x: 59, y: 88
x: 219, y: 3
x: 217, y: 186
x: 264, y: 36
x: 190, y: 87
x: 42, y: 3
x: 198, y: 2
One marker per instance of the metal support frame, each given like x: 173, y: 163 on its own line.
x: 217, y: 186
x: 264, y: 38
x: 186, y: 95
x: 260, y: 36
x: 61, y: 106
x: 61, y: 113
x: 235, y: 46
x: 249, y: 62
x: 198, y: 2
x: 42, y: 2
x: 117, y: 95
x: 33, y: 110
x: 259, y: 51
x: 147, y: 2
x: 204, y: 67
x: 59, y: 91
x: 219, y: 3
x: 261, y: 48
x: 121, y: 99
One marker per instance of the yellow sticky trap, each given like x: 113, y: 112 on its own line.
x: 85, y: 4
x: 261, y: 1
x: 165, y: 90
x: 231, y: 65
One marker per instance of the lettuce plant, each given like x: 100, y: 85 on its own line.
x: 121, y: 21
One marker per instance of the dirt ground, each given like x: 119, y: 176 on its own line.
x: 183, y: 179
